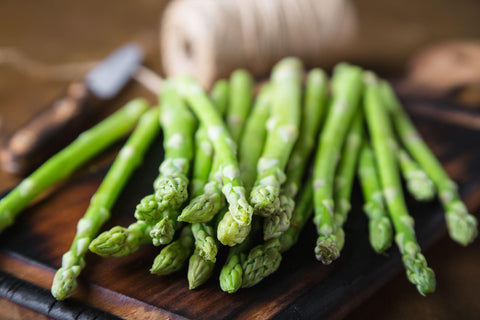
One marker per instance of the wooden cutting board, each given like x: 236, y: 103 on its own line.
x: 302, y: 288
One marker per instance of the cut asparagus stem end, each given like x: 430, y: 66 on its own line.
x: 327, y: 249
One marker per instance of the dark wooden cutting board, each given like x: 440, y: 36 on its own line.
x: 302, y: 288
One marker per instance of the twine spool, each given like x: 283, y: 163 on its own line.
x: 208, y: 39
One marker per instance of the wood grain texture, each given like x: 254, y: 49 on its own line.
x: 301, y: 289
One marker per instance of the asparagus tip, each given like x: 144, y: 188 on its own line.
x: 327, y: 249
x: 65, y: 282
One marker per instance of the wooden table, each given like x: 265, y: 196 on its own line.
x: 56, y: 32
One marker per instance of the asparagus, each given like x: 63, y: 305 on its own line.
x: 262, y: 261
x: 120, y: 241
x: 231, y: 275
x: 65, y: 162
x: 462, y: 226
x: 346, y: 171
x: 205, y: 241
x: 199, y: 270
x: 164, y: 230
x: 282, y: 134
x: 314, y: 106
x: 220, y: 94
x: 380, y: 226
x: 418, y: 183
x: 381, y: 133
x: 174, y: 256
x: 128, y: 159
x: 346, y: 85
x: 224, y: 148
x: 203, y: 148
x: 171, y: 185
x: 241, y: 92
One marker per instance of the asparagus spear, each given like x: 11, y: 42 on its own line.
x: 346, y: 171
x: 346, y: 85
x: 380, y: 226
x: 418, y: 183
x: 163, y: 231
x: 174, y: 256
x: 199, y: 270
x: 231, y: 275
x: 203, y: 148
x: 205, y: 241
x: 314, y: 106
x: 120, y: 241
x: 64, y: 163
x: 229, y: 231
x: 241, y: 92
x: 262, y: 261
x: 462, y: 226
x: 224, y: 147
x: 128, y: 159
x: 282, y: 133
x: 381, y: 133
x: 302, y: 212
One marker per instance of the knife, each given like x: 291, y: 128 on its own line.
x: 66, y: 117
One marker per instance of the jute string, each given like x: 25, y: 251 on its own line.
x: 210, y: 38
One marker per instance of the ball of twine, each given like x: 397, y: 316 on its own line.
x: 208, y: 39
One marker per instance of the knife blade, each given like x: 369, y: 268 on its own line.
x: 67, y: 116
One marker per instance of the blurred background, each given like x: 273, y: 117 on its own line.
x: 429, y: 48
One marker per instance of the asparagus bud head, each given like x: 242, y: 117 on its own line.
x: 162, y: 232
x: 111, y: 243
x: 231, y: 274
x: 265, y: 200
x: 463, y: 227
x: 417, y: 270
x: 171, y: 191
x: 262, y: 261
x: 230, y: 232
x: 327, y: 249
x: 65, y: 282
x: 147, y: 210
x: 199, y: 271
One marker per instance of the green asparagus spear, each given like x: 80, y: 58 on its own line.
x: 418, y: 183
x: 346, y: 85
x: 120, y: 241
x: 346, y: 171
x: 314, y: 107
x: 462, y: 226
x: 220, y: 95
x: 223, y: 145
x: 203, y: 148
x: 382, y: 136
x: 302, y: 212
x: 174, y: 256
x: 282, y: 134
x: 64, y: 163
x: 262, y: 261
x: 380, y: 226
x: 164, y: 230
x: 229, y: 231
x: 241, y: 93
x: 231, y: 275
x: 199, y: 270
x: 178, y: 126
x: 205, y: 241
x: 128, y: 159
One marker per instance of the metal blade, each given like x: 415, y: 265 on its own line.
x: 112, y: 73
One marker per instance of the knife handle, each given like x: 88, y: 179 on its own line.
x: 50, y: 130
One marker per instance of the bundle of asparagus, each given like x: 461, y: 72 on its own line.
x: 257, y: 198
